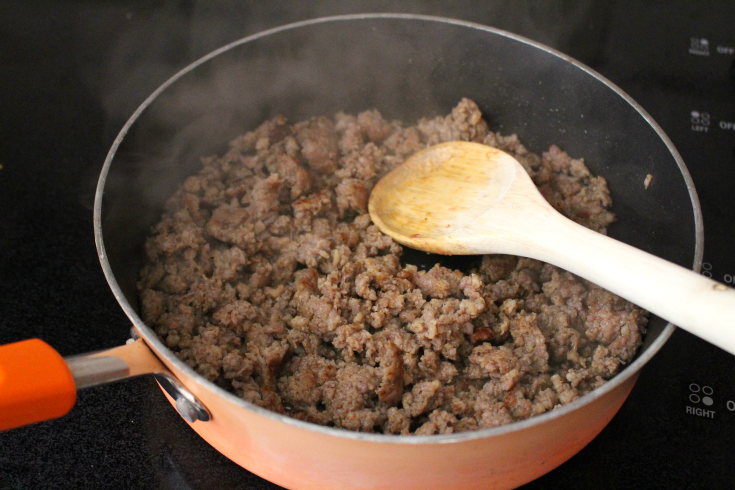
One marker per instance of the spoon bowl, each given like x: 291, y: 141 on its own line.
x: 442, y: 190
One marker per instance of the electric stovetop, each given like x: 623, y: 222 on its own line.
x: 72, y: 73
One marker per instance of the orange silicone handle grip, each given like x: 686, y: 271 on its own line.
x: 35, y: 384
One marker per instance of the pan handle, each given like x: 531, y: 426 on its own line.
x: 37, y: 384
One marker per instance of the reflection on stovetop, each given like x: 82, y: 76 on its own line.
x: 180, y: 459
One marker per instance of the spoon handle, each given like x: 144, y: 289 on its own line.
x: 685, y: 298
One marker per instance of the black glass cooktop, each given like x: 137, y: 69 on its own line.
x: 71, y: 73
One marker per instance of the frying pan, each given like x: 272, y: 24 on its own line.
x: 406, y: 66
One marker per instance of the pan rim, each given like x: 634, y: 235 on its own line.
x: 163, y: 352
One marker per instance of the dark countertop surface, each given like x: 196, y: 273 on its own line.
x: 71, y: 73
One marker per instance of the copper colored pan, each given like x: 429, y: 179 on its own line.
x: 408, y: 67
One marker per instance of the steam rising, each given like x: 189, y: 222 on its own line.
x: 150, y: 45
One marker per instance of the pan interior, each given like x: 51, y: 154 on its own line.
x: 407, y: 68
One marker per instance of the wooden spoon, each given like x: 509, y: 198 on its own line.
x: 463, y: 198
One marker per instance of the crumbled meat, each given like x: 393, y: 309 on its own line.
x: 266, y: 275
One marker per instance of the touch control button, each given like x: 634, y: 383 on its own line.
x: 705, y: 399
